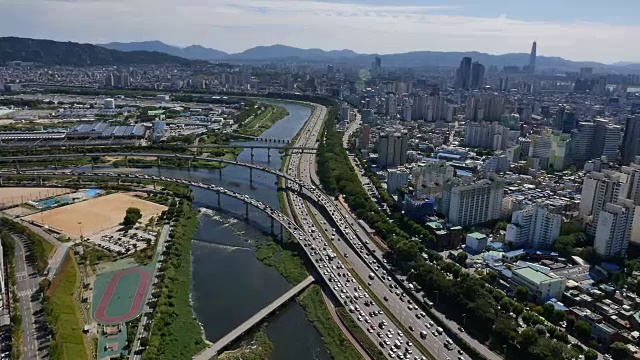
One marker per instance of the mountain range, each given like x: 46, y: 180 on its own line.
x: 51, y: 52
x: 414, y: 58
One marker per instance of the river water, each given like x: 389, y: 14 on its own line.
x: 229, y: 284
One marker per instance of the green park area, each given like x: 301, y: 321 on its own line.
x: 260, y: 118
x: 63, y: 315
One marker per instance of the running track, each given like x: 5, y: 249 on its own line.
x: 136, y: 306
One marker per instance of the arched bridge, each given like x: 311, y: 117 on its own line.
x: 311, y: 246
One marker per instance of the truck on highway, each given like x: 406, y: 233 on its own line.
x: 372, y: 276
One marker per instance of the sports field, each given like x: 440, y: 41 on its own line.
x: 119, y: 296
x: 11, y: 196
x: 94, y: 216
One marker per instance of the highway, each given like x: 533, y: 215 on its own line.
x: 358, y: 253
x: 390, y: 338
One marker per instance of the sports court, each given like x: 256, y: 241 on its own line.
x: 119, y: 296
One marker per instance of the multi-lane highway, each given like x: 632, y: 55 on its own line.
x: 358, y: 253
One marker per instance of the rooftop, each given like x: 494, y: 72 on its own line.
x: 533, y: 275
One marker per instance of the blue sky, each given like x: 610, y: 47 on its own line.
x: 604, y: 31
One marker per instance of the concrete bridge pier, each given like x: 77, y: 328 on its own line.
x: 268, y: 154
x: 126, y: 161
x: 1, y: 180
x: 220, y: 169
x: 272, y: 224
x: 17, y: 168
x: 41, y: 181
x: 189, y: 164
x: 251, y: 176
x: 219, y: 195
x: 246, y: 210
x: 252, y: 154
x: 159, y: 163
x: 92, y: 164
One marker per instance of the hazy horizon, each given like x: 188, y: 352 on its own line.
x: 583, y: 31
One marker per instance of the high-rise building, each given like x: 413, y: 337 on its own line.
x: 486, y: 135
x: 367, y: 116
x: 534, y: 227
x: 593, y: 140
x: 477, y: 75
x: 631, y: 140
x: 406, y: 112
x: 392, y: 149
x: 598, y: 189
x: 365, y: 136
x: 376, y: 66
x: 473, y: 203
x: 531, y: 68
x: 344, y: 112
x: 614, y: 230
x: 397, y: 178
x: 391, y: 106
x: 463, y: 75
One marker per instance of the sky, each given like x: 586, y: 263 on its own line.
x: 593, y: 30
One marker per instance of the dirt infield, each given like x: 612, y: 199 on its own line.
x: 10, y: 196
x: 123, y: 296
x: 94, y: 216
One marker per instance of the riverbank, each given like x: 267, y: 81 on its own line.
x: 260, y: 348
x: 336, y: 342
x: 175, y: 333
x: 262, y: 120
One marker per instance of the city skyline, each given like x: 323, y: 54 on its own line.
x: 590, y: 32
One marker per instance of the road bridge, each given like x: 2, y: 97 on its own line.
x: 322, y: 262
x: 219, y: 345
x: 16, y: 160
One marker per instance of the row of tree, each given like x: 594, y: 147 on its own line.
x: 465, y: 298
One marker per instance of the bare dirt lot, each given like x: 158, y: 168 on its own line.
x: 94, y: 216
x: 10, y: 196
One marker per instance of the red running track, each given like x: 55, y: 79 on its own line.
x: 136, y: 306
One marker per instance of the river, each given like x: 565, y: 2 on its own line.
x: 229, y: 284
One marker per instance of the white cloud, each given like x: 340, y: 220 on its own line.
x: 234, y: 25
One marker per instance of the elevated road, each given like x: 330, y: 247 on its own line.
x: 219, y: 345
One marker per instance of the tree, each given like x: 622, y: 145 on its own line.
x: 131, y: 216
x: 583, y: 330
x: 522, y: 293
x: 590, y: 354
x: 619, y: 351
x: 461, y: 258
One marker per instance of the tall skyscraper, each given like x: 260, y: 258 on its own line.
x: 463, y: 75
x: 615, y: 228
x: 599, y: 189
x: 532, y: 58
x: 592, y: 140
x: 477, y: 75
x: 376, y: 66
x: 631, y: 141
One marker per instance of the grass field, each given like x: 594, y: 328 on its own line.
x: 93, y: 216
x: 316, y: 310
x: 69, y: 342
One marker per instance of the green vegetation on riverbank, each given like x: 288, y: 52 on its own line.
x: 40, y: 248
x: 63, y: 315
x: 9, y: 253
x: 361, y: 337
x: 284, y: 258
x: 175, y: 333
x: 261, y: 118
x: 316, y: 310
x: 260, y: 348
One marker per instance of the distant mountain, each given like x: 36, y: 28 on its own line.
x: 51, y: 52
x: 284, y: 52
x: 193, y: 52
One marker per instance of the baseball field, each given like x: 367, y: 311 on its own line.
x: 94, y: 216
